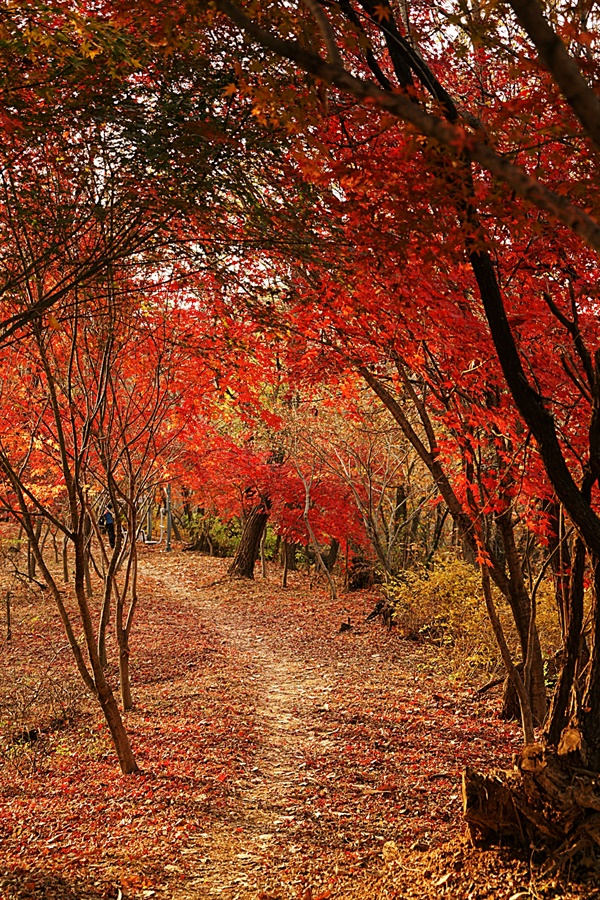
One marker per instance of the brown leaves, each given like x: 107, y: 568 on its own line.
x: 278, y: 755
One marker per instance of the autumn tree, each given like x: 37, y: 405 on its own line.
x: 44, y: 464
x: 138, y: 437
x: 477, y: 161
x: 97, y: 399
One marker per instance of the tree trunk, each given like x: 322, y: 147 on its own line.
x: 587, y: 718
x: 513, y: 673
x: 31, y: 567
x: 124, y: 622
x: 563, y: 693
x: 560, y: 558
x: 290, y: 553
x: 289, y: 560
x: 124, y: 675
x: 243, y: 562
x: 103, y: 690
x: 545, y: 801
x: 117, y: 728
x: 332, y: 555
x: 104, y: 620
x: 523, y: 615
x: 263, y: 558
x: 65, y: 556
x: 285, y: 568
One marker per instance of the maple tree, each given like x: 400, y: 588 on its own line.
x: 257, y: 485
x: 410, y: 208
x: 43, y: 467
x: 100, y: 398
x: 400, y: 68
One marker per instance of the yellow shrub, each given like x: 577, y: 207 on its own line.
x: 445, y: 607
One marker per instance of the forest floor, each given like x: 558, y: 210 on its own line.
x: 282, y: 758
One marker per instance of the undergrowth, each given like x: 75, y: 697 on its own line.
x: 444, y: 606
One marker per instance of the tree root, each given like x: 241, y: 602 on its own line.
x: 546, y: 801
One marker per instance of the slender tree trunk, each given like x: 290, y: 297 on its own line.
x: 589, y: 714
x: 44, y: 539
x: 31, y: 566
x: 285, y: 566
x: 263, y: 558
x: 521, y: 607
x: 124, y: 630
x: 315, y: 545
x: 288, y: 550
x: 103, y: 690
x: 87, y: 532
x: 65, y: 557
x: 332, y: 555
x: 346, y: 554
x: 524, y: 700
x: 104, y: 620
x: 559, y: 712
x: 124, y: 673
x: 176, y: 531
x: 30, y: 563
x: 110, y: 588
x: 558, y: 549
x: 96, y: 680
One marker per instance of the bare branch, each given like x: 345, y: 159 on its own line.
x: 319, y: 15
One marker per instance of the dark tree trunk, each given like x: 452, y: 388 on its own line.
x: 560, y: 560
x: 243, y: 562
x: 290, y: 555
x: 31, y: 567
x: 521, y: 607
x: 289, y: 561
x: 65, y: 558
x: 332, y: 555
x: 559, y: 712
x: 587, y: 717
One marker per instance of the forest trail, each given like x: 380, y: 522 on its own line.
x: 333, y: 713
x: 288, y: 689
x: 286, y: 695
x: 282, y: 759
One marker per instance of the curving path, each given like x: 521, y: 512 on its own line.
x: 347, y: 751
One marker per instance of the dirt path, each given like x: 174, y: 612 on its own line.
x: 282, y: 759
x: 244, y: 852
x: 334, y: 714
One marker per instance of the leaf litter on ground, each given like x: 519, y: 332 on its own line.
x: 281, y: 757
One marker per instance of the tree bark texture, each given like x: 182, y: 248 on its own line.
x: 247, y: 552
x: 547, y: 801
